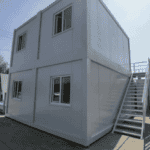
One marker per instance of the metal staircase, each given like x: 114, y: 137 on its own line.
x: 131, y: 117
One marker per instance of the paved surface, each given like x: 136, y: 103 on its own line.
x: 17, y: 136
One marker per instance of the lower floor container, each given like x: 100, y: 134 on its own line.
x: 73, y: 100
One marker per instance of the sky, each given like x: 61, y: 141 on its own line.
x: 132, y: 15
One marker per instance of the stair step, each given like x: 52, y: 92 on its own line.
x: 131, y: 120
x: 139, y: 73
x: 131, y: 133
x: 136, y: 83
x: 135, y: 90
x: 133, y: 110
x: 134, y: 94
x: 133, y: 101
x: 124, y: 125
x: 135, y: 86
x: 133, y: 105
x: 135, y: 97
x: 132, y: 115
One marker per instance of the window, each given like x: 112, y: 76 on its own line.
x: 17, y: 88
x: 63, y: 20
x: 1, y: 97
x: 21, y: 42
x: 60, y: 87
x: 0, y: 85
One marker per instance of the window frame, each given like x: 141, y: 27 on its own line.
x: 16, y: 98
x: 62, y: 11
x: 51, y: 91
x: 25, y: 32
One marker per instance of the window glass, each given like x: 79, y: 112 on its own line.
x: 20, y: 41
x: 56, y: 89
x: 56, y: 85
x: 23, y: 40
x: 1, y: 97
x: 67, y: 18
x: 19, y: 89
x: 15, y: 89
x: 65, y: 90
x: 58, y: 23
x: 0, y: 85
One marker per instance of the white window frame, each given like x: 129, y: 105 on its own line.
x: 18, y: 41
x: 17, y: 89
x: 54, y: 25
x: 52, y: 88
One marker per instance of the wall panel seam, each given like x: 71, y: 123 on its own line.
x: 35, y: 92
x: 12, y: 50
x: 98, y: 68
x: 39, y: 36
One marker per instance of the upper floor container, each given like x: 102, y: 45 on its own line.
x: 69, y: 30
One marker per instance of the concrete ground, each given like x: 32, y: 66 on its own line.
x: 17, y: 136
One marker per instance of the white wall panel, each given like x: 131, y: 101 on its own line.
x: 125, y: 41
x: 93, y: 104
x: 106, y: 45
x: 114, y: 51
x: 27, y: 56
x: 22, y: 109
x: 118, y: 85
x: 107, y: 87
x: 63, y: 119
x: 72, y: 42
x: 92, y: 23
x: 51, y: 46
x: 103, y: 28
x: 104, y: 97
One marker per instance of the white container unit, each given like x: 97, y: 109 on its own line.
x: 70, y: 65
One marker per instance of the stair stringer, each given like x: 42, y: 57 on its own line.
x: 122, y: 103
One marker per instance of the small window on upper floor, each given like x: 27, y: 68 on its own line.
x: 21, y: 42
x: 63, y: 20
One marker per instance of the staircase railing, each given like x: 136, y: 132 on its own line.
x: 145, y: 95
x: 122, y: 103
x: 136, y: 69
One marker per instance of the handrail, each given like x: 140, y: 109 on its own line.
x: 122, y: 103
x: 134, y: 70
x: 145, y: 94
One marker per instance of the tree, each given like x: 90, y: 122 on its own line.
x: 3, y: 65
x: 7, y: 71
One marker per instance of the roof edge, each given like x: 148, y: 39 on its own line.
x: 51, y: 5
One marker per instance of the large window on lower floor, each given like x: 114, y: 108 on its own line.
x: 60, y: 89
x: 17, y: 89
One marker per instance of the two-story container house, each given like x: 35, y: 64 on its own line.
x: 69, y: 68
